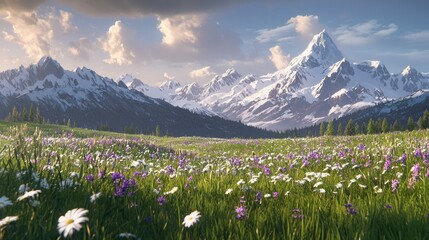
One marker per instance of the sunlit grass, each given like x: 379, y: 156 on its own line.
x: 290, y: 188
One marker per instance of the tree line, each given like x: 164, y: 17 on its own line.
x: 380, y: 125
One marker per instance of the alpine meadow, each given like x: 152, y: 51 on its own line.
x: 201, y: 119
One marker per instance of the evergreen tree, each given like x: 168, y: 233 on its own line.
x: 340, y: 129
x: 364, y: 128
x: 425, y: 120
x: 385, y: 126
x: 322, y: 129
x: 24, y: 116
x: 420, y: 123
x: 350, y: 128
x: 15, y: 115
x: 371, y: 127
x: 357, y: 128
x: 410, y: 124
x: 38, y: 117
x: 378, y: 125
x: 395, y: 126
x: 330, y: 129
x: 157, y: 131
x: 31, y: 114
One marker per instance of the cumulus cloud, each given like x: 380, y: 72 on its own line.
x: 81, y: 49
x: 202, y: 72
x: 190, y: 37
x: 279, y: 59
x: 168, y: 77
x: 35, y: 33
x: 65, y: 20
x: 32, y: 32
x: 115, y: 44
x: 152, y: 7
x: 363, y: 33
x: 306, y: 26
x: 20, y: 5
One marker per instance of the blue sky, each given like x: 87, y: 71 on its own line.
x: 191, y: 40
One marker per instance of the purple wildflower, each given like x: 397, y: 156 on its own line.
x: 89, y: 178
x: 161, y: 200
x: 117, y: 176
x: 258, y: 196
x: 352, y: 211
x: 267, y: 170
x: 275, y: 194
x: 89, y: 157
x: 236, y: 162
x: 395, y: 185
x: 361, y: 147
x: 297, y: 214
x: 101, y: 174
x: 387, y: 165
x: 387, y: 206
x: 418, y: 152
x: 416, y: 171
x: 240, y: 212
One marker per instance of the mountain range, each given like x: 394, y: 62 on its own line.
x: 90, y: 100
x: 318, y: 85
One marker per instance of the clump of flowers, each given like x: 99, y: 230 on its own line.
x: 297, y: 214
x: 350, y: 209
x: 395, y: 185
x: 123, y: 186
x: 240, y: 210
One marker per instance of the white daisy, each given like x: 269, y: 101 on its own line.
x: 173, y: 190
x: 29, y: 194
x: 228, y: 191
x: 94, y: 197
x: 4, y: 201
x: 192, y: 218
x: 5, y: 221
x: 127, y: 235
x: 72, y: 221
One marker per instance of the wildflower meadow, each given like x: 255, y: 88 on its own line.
x: 69, y: 184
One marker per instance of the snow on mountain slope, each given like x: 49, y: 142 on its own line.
x: 318, y: 85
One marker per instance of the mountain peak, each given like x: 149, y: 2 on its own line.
x: 409, y: 70
x: 47, y: 65
x: 172, y: 85
x: 320, y: 51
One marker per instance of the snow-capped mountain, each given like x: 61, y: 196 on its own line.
x: 318, y: 85
x: 90, y: 100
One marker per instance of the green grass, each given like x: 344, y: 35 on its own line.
x: 54, y: 157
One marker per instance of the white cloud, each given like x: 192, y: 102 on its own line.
x: 202, y: 72
x: 305, y: 26
x: 81, y: 49
x: 192, y: 37
x: 422, y: 36
x: 168, y: 77
x: 363, y: 33
x: 65, y: 20
x: 32, y: 32
x: 279, y: 59
x: 180, y: 29
x: 115, y: 44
